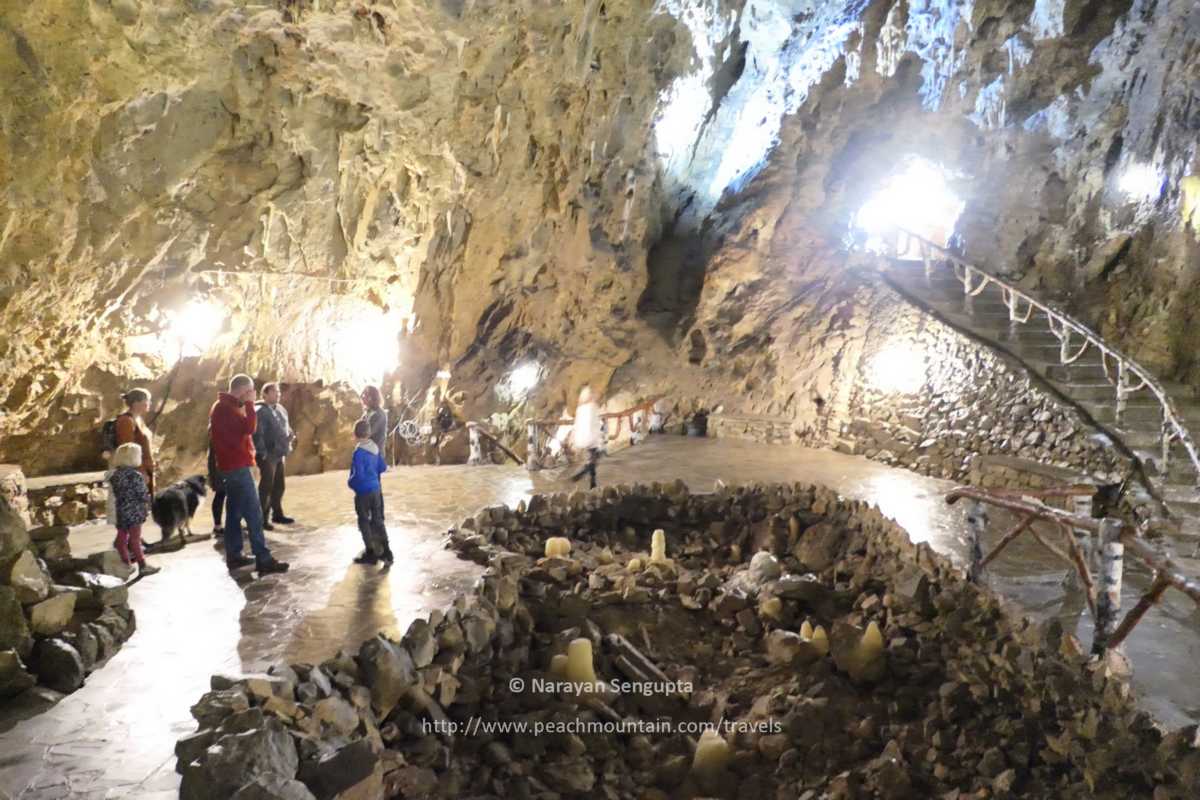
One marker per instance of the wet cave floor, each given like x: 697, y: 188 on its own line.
x: 115, y: 737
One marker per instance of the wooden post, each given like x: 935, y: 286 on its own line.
x: 977, y: 521
x: 476, y: 457
x: 531, y: 454
x: 1108, y: 601
x: 1084, y: 539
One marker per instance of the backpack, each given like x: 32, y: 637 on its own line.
x: 108, y: 435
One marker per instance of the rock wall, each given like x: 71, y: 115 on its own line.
x: 554, y: 183
x: 60, y: 617
x: 954, y: 697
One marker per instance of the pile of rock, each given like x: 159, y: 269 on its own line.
x: 60, y: 617
x: 61, y: 500
x: 833, y: 657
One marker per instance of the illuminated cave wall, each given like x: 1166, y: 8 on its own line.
x: 651, y: 196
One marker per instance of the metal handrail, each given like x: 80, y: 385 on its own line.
x: 1173, y: 429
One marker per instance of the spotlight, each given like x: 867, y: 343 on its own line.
x: 519, y: 382
x: 1140, y: 182
x: 898, y: 369
x: 916, y: 199
x: 366, y: 346
x: 192, y: 328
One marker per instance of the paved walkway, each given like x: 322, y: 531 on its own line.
x: 114, y: 738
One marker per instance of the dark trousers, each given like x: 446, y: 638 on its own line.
x: 218, y: 507
x: 242, y: 503
x: 589, y: 468
x: 271, y: 486
x: 369, y: 508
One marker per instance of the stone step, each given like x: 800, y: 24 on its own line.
x: 1140, y: 414
x: 1180, y: 469
x: 1068, y: 373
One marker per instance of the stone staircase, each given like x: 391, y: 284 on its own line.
x: 937, y: 285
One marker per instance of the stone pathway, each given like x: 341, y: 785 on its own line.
x: 115, y: 737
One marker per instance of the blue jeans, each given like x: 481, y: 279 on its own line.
x: 241, y: 498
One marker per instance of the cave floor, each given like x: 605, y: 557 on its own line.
x: 115, y: 736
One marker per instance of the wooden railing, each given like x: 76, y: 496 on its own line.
x: 1129, y: 378
x: 1105, y: 541
x: 639, y: 426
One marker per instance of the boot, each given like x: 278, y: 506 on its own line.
x: 366, y: 557
x: 145, y: 569
x: 272, y: 566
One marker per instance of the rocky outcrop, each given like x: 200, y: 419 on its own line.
x: 839, y: 660
x: 59, y: 619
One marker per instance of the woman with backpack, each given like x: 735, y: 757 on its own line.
x: 130, y: 427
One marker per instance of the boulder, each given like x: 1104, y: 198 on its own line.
x: 790, y: 648
x: 52, y: 615
x: 215, y: 706
x: 14, y: 629
x: 337, y: 713
x: 44, y: 533
x: 334, y: 773
x: 819, y: 546
x: 14, y: 678
x: 388, y: 670
x: 420, y: 643
x: 238, y: 759
x: 14, y: 539
x: 105, y: 590
x: 72, y: 512
x: 273, y: 788
x: 58, y: 665
x: 109, y: 562
x: 29, y: 578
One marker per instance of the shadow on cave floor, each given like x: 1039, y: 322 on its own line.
x: 115, y: 736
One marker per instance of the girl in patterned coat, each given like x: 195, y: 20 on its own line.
x: 132, y: 501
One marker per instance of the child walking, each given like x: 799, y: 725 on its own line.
x: 131, y: 501
x: 365, y: 469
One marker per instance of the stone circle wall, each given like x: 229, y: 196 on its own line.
x: 959, y: 698
x: 60, y: 617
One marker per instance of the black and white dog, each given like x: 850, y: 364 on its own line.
x: 174, y: 507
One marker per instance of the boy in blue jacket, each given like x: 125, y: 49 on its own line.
x: 365, y: 469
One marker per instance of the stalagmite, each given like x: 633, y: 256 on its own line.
x: 579, y: 661
x: 658, y: 546
x: 820, y: 640
x: 558, y: 666
x: 712, y: 753
x: 558, y: 547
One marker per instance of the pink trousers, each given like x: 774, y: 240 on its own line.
x: 129, y: 543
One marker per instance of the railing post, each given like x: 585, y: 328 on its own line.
x: 1085, y: 540
x: 1166, y: 444
x: 977, y: 522
x: 928, y: 263
x: 476, y: 448
x: 531, y: 452
x: 1108, y: 600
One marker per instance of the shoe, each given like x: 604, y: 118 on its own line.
x: 284, y: 520
x: 268, y: 526
x: 147, y: 569
x: 366, y: 557
x: 272, y: 566
x: 238, y: 562
x: 387, y: 557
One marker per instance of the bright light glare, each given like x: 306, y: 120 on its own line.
x: 916, y: 199
x: 1140, y: 181
x: 366, y: 346
x: 899, y: 368
x: 519, y: 382
x: 191, y: 330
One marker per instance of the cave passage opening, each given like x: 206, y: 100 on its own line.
x: 916, y: 198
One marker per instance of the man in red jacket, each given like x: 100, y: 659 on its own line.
x: 231, y: 422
